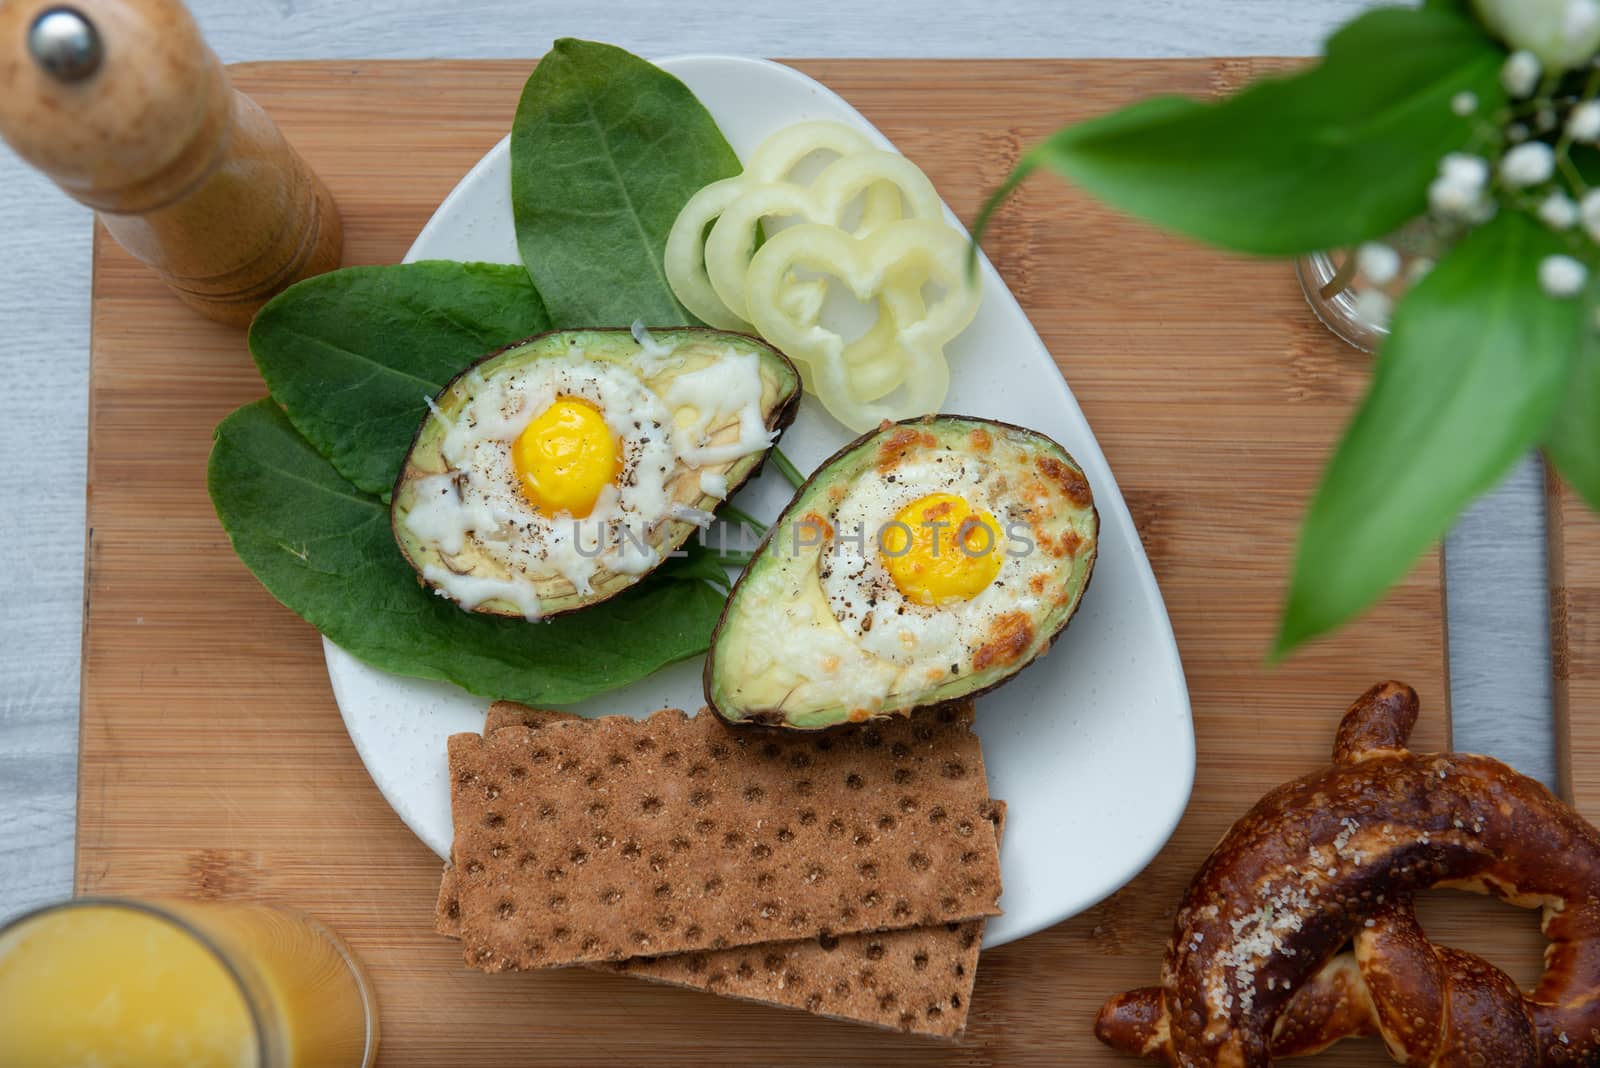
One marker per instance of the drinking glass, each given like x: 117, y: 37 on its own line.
x: 115, y: 982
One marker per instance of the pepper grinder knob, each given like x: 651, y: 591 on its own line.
x: 65, y: 44
x: 126, y: 108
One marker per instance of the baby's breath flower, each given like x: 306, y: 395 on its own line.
x: 1561, y: 34
x: 1464, y: 103
x: 1379, y: 262
x: 1581, y: 20
x: 1562, y: 276
x: 1583, y: 125
x: 1418, y: 269
x: 1558, y: 211
x: 1589, y: 213
x: 1450, y: 201
x: 1529, y: 164
x: 1517, y: 132
x: 1460, y: 191
x: 1520, y: 74
x: 1466, y: 170
x: 1373, y: 306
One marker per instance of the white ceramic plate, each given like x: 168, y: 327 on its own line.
x: 1092, y: 747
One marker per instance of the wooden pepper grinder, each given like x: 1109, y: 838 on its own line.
x: 123, y: 104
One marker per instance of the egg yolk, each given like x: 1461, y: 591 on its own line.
x: 565, y: 458
x: 940, y: 549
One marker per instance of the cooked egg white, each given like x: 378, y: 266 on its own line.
x: 570, y: 466
x: 888, y: 614
x: 916, y: 595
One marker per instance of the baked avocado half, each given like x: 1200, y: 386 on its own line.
x: 563, y: 469
x: 925, y: 561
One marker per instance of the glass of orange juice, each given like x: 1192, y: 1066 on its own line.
x: 117, y: 983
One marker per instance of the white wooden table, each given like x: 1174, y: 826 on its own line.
x: 1498, y: 630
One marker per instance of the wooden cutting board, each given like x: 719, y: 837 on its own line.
x: 213, y: 759
x: 1574, y: 540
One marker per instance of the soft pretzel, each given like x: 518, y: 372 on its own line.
x: 1258, y: 968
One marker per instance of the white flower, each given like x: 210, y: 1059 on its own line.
x: 1470, y: 172
x: 1561, y: 34
x: 1418, y: 269
x: 1379, y: 262
x: 1581, y: 21
x: 1460, y: 190
x: 1583, y: 124
x: 1558, y: 211
x: 1373, y: 306
x: 1562, y: 276
x: 1449, y: 200
x: 1455, y: 202
x: 1520, y: 75
x: 1528, y: 164
x: 1589, y: 212
x: 1464, y: 103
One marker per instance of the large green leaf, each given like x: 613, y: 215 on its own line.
x: 1574, y: 440
x: 605, y: 151
x: 1339, y: 153
x: 1469, y: 379
x: 324, y: 549
x: 353, y: 355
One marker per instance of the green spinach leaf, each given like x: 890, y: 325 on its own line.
x: 352, y: 355
x: 605, y: 151
x: 1340, y: 153
x: 324, y: 549
x: 1473, y: 372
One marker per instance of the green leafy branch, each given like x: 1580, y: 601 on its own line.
x: 1482, y: 362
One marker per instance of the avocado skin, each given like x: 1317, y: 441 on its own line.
x: 778, y: 420
x: 764, y: 719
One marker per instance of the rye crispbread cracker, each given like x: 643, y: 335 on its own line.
x: 613, y: 838
x: 447, y: 912
x: 918, y: 979
x: 511, y: 714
